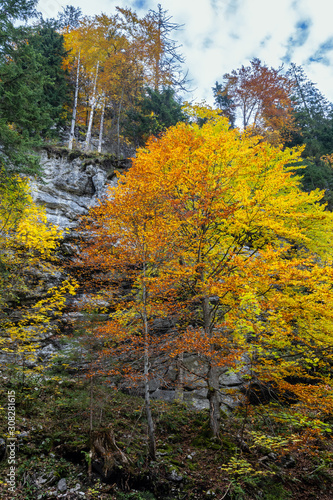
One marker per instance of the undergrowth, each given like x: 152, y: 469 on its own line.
x: 279, y: 454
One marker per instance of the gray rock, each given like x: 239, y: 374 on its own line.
x: 62, y: 485
x: 154, y: 384
x: 47, y: 352
x: 230, y: 379
x: 23, y: 434
x: 200, y: 393
x: 175, y: 477
x: 69, y: 187
x: 197, y: 403
x: 165, y: 395
x: 45, y: 480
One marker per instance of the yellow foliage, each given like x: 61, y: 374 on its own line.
x: 27, y: 243
x: 24, y: 223
x: 22, y: 337
x: 241, y: 467
x: 212, y: 225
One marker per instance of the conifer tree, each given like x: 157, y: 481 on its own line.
x: 156, y: 110
x: 314, y: 129
x: 20, y: 86
x: 50, y: 45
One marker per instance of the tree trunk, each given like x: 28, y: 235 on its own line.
x: 151, y: 430
x: 214, y: 400
x: 100, y: 139
x: 91, y: 396
x: 212, y: 376
x: 118, y: 123
x: 90, y: 427
x: 91, y: 116
x: 158, y: 54
x: 71, y: 135
x: 179, y: 393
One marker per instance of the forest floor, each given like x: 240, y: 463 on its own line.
x: 263, y: 452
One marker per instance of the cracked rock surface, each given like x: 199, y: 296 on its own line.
x: 70, y: 186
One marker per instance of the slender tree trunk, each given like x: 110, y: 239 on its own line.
x: 118, y: 123
x: 212, y: 376
x: 151, y: 430
x: 158, y: 55
x: 101, y: 127
x: 91, y: 427
x: 244, y: 116
x: 91, y: 116
x: 158, y: 50
x: 91, y: 395
x: 71, y: 135
x: 214, y: 400
x: 302, y: 94
x: 179, y: 396
x: 23, y: 368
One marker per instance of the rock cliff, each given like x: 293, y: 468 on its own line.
x: 73, y: 182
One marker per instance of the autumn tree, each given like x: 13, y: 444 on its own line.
x: 162, y: 52
x: 105, y: 66
x: 83, y: 64
x: 260, y: 96
x: 112, y: 59
x: 238, y: 252
x: 27, y: 247
x: 126, y: 248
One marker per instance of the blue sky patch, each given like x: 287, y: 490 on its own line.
x: 295, y: 4
x: 264, y: 41
x: 298, y: 38
x: 207, y: 43
x: 140, y: 4
x: 232, y: 7
x: 234, y: 36
x: 301, y: 34
x: 321, y: 53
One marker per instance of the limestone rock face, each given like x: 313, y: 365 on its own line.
x: 72, y: 183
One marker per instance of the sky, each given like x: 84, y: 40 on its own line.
x: 221, y: 35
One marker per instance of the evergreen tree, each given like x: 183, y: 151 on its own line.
x: 225, y: 103
x: 50, y: 45
x: 32, y: 85
x: 22, y: 82
x: 314, y: 120
x: 313, y: 116
x: 70, y: 17
x: 11, y: 11
x: 20, y: 87
x: 156, y: 111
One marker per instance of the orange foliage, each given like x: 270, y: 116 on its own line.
x: 210, y: 226
x: 263, y: 97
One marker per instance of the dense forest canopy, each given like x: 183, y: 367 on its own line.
x: 223, y: 225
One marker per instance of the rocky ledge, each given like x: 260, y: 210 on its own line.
x: 72, y: 182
